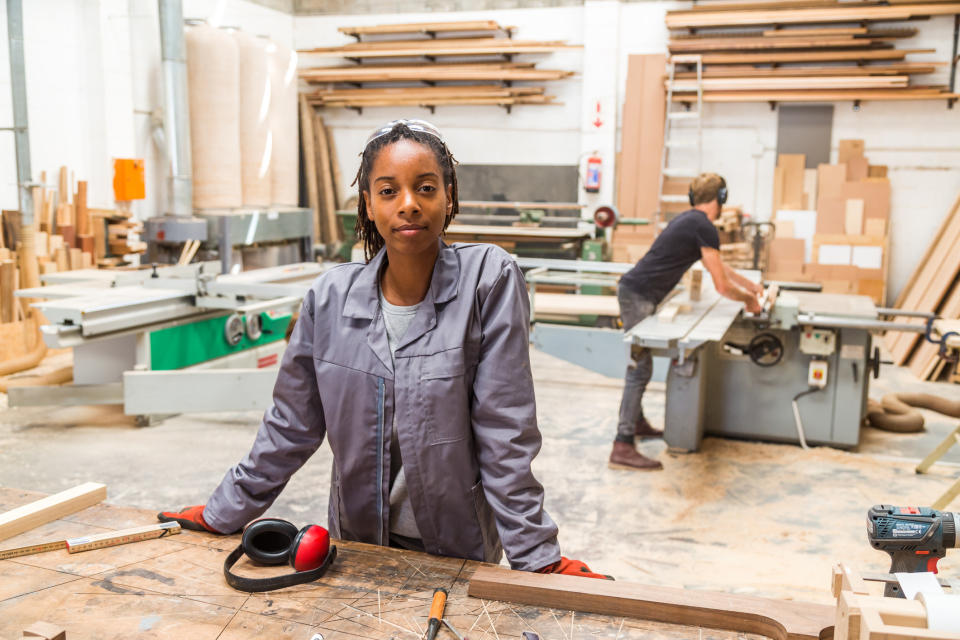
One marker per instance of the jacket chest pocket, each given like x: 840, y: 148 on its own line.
x: 446, y: 379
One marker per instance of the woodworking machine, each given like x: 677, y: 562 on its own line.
x: 168, y: 339
x: 797, y: 372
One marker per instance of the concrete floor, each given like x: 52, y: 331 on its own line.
x: 744, y: 517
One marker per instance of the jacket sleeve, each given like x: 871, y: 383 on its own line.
x: 291, y: 431
x: 505, y: 425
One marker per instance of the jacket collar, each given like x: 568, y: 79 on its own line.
x: 363, y: 298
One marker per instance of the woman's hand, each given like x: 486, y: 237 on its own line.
x: 572, y: 568
x: 189, y: 518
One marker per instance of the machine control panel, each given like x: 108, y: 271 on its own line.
x: 818, y: 374
x: 817, y: 342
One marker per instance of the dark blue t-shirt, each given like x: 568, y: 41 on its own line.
x: 673, y: 252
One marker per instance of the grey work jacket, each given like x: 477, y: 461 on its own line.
x: 463, y: 394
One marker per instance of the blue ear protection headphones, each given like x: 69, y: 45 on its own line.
x: 721, y: 194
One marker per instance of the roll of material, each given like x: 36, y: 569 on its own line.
x: 896, y: 412
x: 285, y: 180
x: 943, y: 611
x: 213, y: 79
x: 255, y: 137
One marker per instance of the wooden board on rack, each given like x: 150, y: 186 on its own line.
x: 820, y: 95
x: 432, y: 73
x: 747, y: 71
x: 308, y: 143
x: 810, y: 56
x: 811, y: 15
x: 423, y: 27
x: 442, y: 47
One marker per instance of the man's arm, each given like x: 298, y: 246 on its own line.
x: 725, y: 286
x: 742, y: 282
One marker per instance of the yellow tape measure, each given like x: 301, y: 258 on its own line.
x: 98, y: 541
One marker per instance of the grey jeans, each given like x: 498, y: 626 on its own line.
x: 633, y: 308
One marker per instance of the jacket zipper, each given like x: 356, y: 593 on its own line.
x: 380, y: 393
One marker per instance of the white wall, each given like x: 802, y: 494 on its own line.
x: 93, y: 78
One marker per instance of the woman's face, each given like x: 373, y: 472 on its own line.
x: 407, y: 200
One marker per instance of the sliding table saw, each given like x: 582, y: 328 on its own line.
x: 170, y: 339
x: 797, y: 372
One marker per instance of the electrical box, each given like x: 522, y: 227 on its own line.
x: 817, y: 342
x: 818, y: 374
x: 128, y: 179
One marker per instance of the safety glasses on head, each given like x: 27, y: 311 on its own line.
x: 420, y: 126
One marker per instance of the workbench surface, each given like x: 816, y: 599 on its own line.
x: 174, y: 588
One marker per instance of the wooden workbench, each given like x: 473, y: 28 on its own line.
x: 174, y: 588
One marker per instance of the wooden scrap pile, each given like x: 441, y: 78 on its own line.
x: 804, y: 50
x: 468, y: 74
x: 843, y: 243
x: 933, y: 287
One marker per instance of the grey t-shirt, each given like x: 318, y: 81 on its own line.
x: 402, y: 521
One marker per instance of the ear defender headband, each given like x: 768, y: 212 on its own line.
x: 721, y: 194
x: 272, y: 541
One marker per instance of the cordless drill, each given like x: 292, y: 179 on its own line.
x: 915, y: 537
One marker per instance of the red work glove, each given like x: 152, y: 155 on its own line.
x: 572, y: 568
x: 188, y: 517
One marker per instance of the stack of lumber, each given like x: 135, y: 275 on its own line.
x: 933, y: 287
x: 469, y: 52
x: 832, y: 223
x: 812, y: 50
x: 322, y: 171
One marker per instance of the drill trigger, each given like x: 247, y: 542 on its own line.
x: 932, y: 564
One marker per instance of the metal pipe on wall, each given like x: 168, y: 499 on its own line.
x: 176, y: 114
x: 18, y: 90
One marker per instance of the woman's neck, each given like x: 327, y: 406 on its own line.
x: 406, y: 278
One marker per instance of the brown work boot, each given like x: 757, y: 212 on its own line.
x: 645, y: 430
x: 624, y: 456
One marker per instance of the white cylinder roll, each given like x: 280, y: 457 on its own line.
x: 283, y: 126
x: 213, y: 77
x: 255, y: 138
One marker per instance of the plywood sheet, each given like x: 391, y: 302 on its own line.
x: 875, y: 193
x: 849, y: 149
x: 831, y: 215
x: 793, y: 178
x: 853, y: 216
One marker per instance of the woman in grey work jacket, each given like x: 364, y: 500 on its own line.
x: 416, y: 368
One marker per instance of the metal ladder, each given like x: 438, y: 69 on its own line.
x: 669, y: 141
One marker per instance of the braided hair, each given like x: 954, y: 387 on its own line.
x: 366, y: 229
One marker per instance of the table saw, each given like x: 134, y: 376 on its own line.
x: 168, y: 339
x: 797, y: 372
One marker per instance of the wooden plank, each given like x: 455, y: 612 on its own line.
x: 700, y: 19
x: 793, y: 167
x: 780, y: 620
x: 650, y: 148
x: 443, y: 47
x: 307, y: 142
x: 575, y: 304
x: 428, y: 102
x: 794, y: 83
x: 929, y: 289
x: 737, y: 71
x: 927, y: 356
x: 80, y: 202
x: 48, y: 509
x: 630, y: 137
x: 434, y: 73
x: 849, y: 149
x: 335, y: 170
x: 8, y: 284
x: 921, y: 265
x: 819, y: 95
x: 825, y: 31
x: 857, y: 169
x: 420, y: 92
x: 809, y: 56
x: 853, y: 220
x: 767, y: 44
x: 423, y: 27
x: 326, y: 193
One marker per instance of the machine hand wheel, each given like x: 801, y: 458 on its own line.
x: 765, y: 350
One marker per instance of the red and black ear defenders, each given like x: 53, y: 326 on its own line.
x: 272, y: 541
x: 721, y: 194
